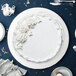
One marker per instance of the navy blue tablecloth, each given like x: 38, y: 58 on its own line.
x: 68, y: 13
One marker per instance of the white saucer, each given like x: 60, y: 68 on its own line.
x: 56, y: 58
x: 63, y: 70
x: 2, y: 31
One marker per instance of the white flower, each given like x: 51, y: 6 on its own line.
x: 8, y: 11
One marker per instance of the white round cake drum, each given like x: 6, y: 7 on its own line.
x: 52, y: 61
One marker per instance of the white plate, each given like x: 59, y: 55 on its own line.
x: 49, y: 63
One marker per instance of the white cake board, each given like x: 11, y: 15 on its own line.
x: 49, y: 63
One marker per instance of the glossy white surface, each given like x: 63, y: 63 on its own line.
x: 2, y: 31
x: 63, y: 70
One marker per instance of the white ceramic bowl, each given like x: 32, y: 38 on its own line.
x: 63, y: 70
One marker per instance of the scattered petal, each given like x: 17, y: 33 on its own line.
x: 43, y: 71
x: 25, y: 4
x: 3, y: 50
x: 6, y: 47
x: 28, y: 2
x: 41, y: 5
x: 19, y: 3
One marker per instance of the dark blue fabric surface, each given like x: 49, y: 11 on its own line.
x: 68, y: 14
